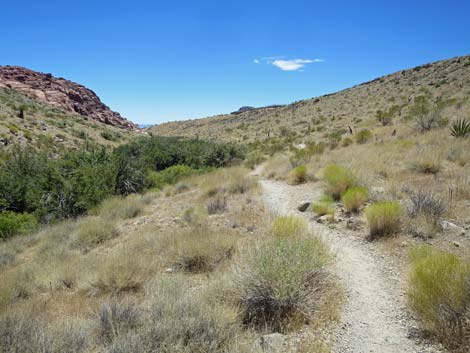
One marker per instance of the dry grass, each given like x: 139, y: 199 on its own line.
x: 121, y: 207
x: 92, y: 231
x: 199, y: 249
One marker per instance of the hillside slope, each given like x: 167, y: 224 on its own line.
x: 38, y: 109
x: 446, y: 83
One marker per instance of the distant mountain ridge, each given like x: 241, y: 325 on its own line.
x: 61, y: 93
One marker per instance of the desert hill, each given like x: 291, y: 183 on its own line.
x: 39, y: 108
x: 445, y: 83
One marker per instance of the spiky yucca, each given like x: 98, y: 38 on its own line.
x: 460, y: 128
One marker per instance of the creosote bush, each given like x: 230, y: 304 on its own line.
x: 298, y: 175
x: 383, y: 218
x: 354, y: 198
x: 338, y: 180
x: 438, y: 291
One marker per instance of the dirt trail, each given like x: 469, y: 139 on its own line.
x: 374, y: 317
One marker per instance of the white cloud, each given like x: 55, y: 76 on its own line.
x: 293, y: 64
x: 256, y: 61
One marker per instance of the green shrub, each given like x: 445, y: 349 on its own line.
x: 298, y: 175
x: 383, y: 218
x: 338, y: 180
x: 289, y: 226
x: 363, y: 136
x: 280, y: 282
x: 324, y: 206
x: 12, y: 223
x: 354, y: 198
x: 170, y: 176
x: 92, y: 231
x: 438, y: 291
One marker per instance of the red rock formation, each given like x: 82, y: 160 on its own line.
x: 61, y: 93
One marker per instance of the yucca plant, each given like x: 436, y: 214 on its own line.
x: 460, y: 128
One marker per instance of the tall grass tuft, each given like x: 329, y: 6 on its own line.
x: 289, y: 226
x: 439, y: 292
x: 279, y: 282
x: 354, y: 198
x: 338, y: 180
x: 383, y: 218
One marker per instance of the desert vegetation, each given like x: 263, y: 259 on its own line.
x: 132, y: 278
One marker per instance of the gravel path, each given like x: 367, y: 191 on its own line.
x: 374, y: 317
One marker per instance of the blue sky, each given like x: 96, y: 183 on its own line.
x: 156, y: 61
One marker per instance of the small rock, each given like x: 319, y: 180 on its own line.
x: 446, y: 225
x: 273, y: 343
x: 169, y: 270
x: 456, y: 244
x: 304, y: 206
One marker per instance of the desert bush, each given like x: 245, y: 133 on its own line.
x: 114, y: 319
x: 354, y: 198
x: 383, y: 218
x: 428, y: 120
x: 427, y: 204
x: 117, y: 273
x: 21, y: 333
x: 324, y: 206
x: 92, y: 231
x: 217, y: 204
x: 438, y: 291
x: 460, y: 128
x: 288, y: 227
x: 199, y: 249
x: 116, y: 208
x: 427, y: 161
x: 12, y: 223
x: 279, y: 282
x: 179, y: 319
x: 298, y: 175
x: 194, y: 215
x: 363, y: 136
x: 345, y: 142
x: 338, y: 180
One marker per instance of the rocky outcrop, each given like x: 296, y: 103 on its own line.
x: 61, y: 93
